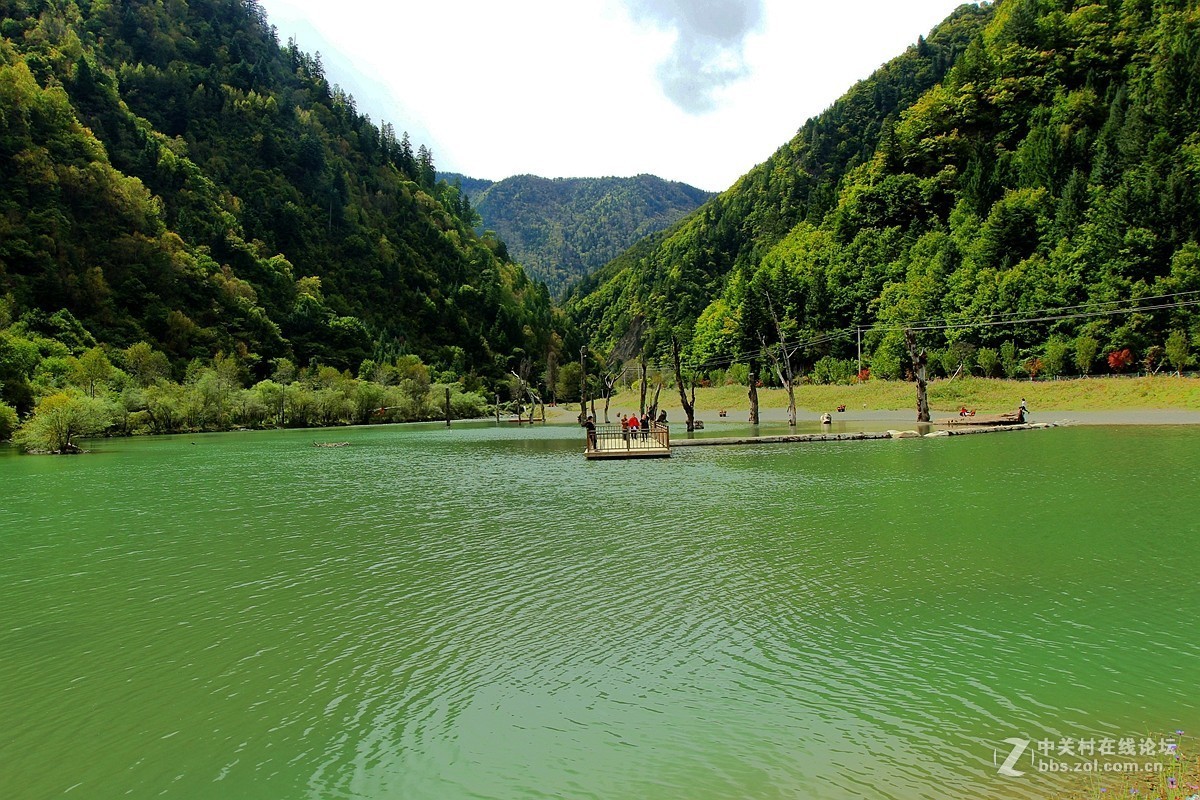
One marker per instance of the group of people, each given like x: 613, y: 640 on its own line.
x: 631, y: 424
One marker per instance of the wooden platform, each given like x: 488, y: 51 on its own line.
x: 613, y: 442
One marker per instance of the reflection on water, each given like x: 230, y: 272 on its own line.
x: 478, y: 612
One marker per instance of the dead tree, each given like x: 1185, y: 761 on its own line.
x: 524, y: 389
x: 919, y: 358
x: 654, y: 405
x: 753, y: 393
x: 610, y: 382
x: 689, y: 406
x: 783, y: 363
x: 642, y: 367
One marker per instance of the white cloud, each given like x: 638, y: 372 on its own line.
x: 696, y: 91
x: 708, y: 52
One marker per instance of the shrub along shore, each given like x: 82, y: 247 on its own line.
x: 73, y: 398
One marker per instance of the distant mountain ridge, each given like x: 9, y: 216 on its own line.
x: 562, y: 229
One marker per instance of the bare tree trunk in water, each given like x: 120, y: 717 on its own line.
x: 753, y: 394
x: 689, y: 408
x: 785, y: 373
x: 583, y: 385
x: 919, y: 359
x: 642, y: 405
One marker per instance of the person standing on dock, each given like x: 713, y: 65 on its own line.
x: 590, y: 425
x: 645, y: 425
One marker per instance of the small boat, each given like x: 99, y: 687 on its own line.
x: 826, y: 418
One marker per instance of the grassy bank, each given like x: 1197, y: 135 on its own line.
x: 982, y: 394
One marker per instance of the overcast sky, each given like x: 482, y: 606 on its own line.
x: 695, y: 91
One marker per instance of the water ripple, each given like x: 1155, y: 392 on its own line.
x: 479, y: 613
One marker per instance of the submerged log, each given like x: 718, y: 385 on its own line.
x: 984, y: 419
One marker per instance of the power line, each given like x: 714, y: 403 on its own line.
x: 1044, y: 318
x: 1186, y: 299
x: 1091, y: 306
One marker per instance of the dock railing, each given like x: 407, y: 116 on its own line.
x: 613, y: 438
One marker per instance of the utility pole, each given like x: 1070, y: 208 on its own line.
x: 582, y: 384
x: 859, y: 331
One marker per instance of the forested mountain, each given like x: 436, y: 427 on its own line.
x: 561, y: 229
x: 1026, y: 155
x: 171, y: 174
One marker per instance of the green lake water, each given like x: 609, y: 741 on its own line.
x: 479, y: 613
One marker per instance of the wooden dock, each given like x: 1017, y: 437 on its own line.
x: 612, y: 441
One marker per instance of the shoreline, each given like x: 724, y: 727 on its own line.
x: 1158, y: 400
x: 1114, y: 417
x: 804, y: 416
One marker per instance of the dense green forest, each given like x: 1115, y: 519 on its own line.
x: 561, y: 229
x: 1028, y: 155
x: 173, y: 179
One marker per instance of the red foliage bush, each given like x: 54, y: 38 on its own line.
x: 1119, y: 360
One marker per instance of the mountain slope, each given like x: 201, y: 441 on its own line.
x: 561, y: 229
x: 799, y: 182
x: 1028, y: 155
x: 170, y: 173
